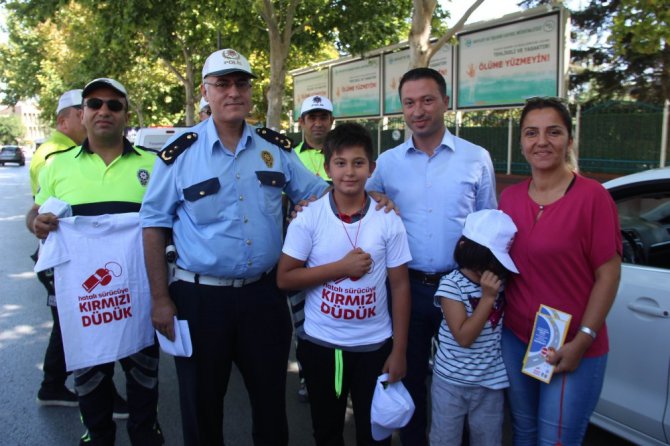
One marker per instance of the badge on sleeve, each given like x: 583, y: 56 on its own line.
x: 276, y: 138
x: 170, y: 153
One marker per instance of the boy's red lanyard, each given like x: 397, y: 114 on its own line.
x: 340, y: 215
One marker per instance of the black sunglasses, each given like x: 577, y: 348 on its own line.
x: 112, y: 104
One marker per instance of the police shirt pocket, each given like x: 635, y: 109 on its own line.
x: 272, y: 183
x: 200, y: 200
x: 202, y: 189
x: 271, y: 178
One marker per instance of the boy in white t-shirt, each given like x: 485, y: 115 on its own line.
x: 341, y: 250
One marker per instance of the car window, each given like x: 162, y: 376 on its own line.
x: 645, y: 226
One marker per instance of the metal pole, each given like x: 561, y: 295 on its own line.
x: 459, y: 117
x: 664, y: 133
x: 575, y: 145
x: 379, y: 136
x: 510, y: 129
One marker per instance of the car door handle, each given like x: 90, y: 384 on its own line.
x: 648, y: 309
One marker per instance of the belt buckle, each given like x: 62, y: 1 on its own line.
x: 431, y: 279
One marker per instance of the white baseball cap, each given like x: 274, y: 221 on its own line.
x: 392, y: 407
x: 222, y: 62
x: 104, y: 82
x: 71, y: 98
x: 203, y: 103
x: 494, y: 230
x: 316, y: 103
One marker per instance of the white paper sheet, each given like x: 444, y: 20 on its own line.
x: 181, y: 346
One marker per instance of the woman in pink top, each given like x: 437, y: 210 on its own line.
x: 568, y: 252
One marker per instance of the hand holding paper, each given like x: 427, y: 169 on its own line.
x: 181, y: 346
x: 549, y: 331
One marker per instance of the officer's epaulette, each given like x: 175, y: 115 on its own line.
x: 170, y: 153
x: 59, y: 151
x: 276, y: 138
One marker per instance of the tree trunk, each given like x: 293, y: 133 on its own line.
x: 275, y: 91
x: 421, y: 50
x: 189, y: 85
x: 280, y: 43
x: 419, y: 34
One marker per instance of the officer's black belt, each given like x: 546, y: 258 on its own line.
x: 425, y: 278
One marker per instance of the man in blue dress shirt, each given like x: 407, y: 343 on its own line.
x: 218, y: 189
x: 435, y: 179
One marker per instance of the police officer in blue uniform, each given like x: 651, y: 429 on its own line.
x: 218, y: 188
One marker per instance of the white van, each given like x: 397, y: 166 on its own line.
x: 154, y: 138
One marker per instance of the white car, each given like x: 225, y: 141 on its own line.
x: 155, y: 137
x: 634, y: 403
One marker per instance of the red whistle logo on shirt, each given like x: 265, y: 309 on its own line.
x: 102, y: 276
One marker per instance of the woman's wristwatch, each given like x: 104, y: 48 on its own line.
x: 586, y: 330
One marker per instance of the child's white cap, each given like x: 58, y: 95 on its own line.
x: 494, y: 230
x: 392, y: 407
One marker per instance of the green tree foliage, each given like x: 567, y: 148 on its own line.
x: 11, y: 129
x: 620, y: 50
x: 157, y: 49
x: 301, y: 27
x: 427, y: 23
x: 641, y: 36
x: 45, y: 58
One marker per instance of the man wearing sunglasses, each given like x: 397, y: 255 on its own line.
x: 218, y: 188
x: 105, y: 175
x: 70, y: 131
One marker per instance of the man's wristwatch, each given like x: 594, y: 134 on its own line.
x: 586, y: 330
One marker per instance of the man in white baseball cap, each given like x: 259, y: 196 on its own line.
x: 227, y: 232
x: 106, y: 175
x: 69, y: 132
x: 316, y: 119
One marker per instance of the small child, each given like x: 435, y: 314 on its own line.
x: 469, y: 375
x: 341, y: 250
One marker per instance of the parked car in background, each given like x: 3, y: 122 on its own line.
x: 155, y: 137
x: 634, y: 403
x: 12, y: 154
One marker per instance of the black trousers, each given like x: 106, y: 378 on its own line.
x: 249, y: 326
x: 95, y: 391
x: 424, y: 324
x: 54, y: 369
x: 54, y: 357
x: 359, y: 376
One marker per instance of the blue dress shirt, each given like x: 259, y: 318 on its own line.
x: 434, y: 195
x: 225, y: 208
